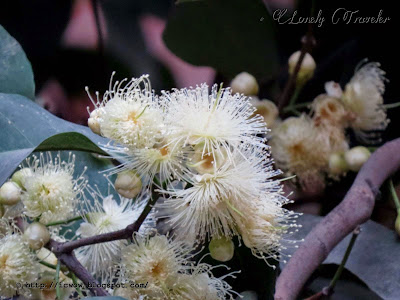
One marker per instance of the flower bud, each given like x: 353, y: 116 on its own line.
x: 244, y: 83
x: 333, y: 89
x: 356, y: 157
x: 267, y: 109
x: 20, y: 176
x: 93, y: 121
x: 10, y: 193
x: 307, y: 67
x: 128, y: 184
x: 337, y: 164
x: 37, y: 235
x: 221, y: 249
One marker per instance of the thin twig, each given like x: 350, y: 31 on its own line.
x: 327, y: 291
x: 394, y: 195
x: 356, y: 208
x: 64, y: 251
x: 308, y: 43
x: 65, y: 222
x: 58, y: 292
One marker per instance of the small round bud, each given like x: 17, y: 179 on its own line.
x: 307, y: 67
x: 221, y: 249
x: 267, y: 109
x: 244, y: 83
x: 128, y: 184
x: 333, y: 89
x: 37, y: 235
x: 20, y: 176
x: 93, y: 121
x: 10, y: 193
x: 337, y: 164
x: 2, y: 211
x: 356, y: 157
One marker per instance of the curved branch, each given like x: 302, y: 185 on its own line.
x: 356, y: 208
x: 64, y: 251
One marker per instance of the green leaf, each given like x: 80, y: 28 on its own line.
x: 16, y: 76
x: 230, y: 35
x: 26, y: 127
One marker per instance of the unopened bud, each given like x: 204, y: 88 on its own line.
x: 337, y: 164
x: 356, y: 157
x: 267, y: 109
x: 333, y: 89
x: 93, y: 121
x: 244, y: 83
x: 37, y: 235
x: 20, y: 176
x: 307, y: 67
x: 10, y: 193
x: 128, y: 184
x: 221, y: 249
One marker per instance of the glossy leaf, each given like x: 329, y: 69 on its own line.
x: 16, y: 76
x: 26, y: 127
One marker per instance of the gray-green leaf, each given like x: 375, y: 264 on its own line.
x: 16, y: 76
x: 26, y: 127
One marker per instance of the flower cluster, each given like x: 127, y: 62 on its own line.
x: 316, y: 145
x: 212, y: 143
x: 17, y: 263
x: 202, y: 152
x: 166, y: 266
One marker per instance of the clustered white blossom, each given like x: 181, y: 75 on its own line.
x: 204, y: 152
x: 214, y: 144
x: 313, y: 146
x: 166, y: 266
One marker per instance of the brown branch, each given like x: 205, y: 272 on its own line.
x: 308, y: 43
x: 356, y: 208
x: 64, y: 251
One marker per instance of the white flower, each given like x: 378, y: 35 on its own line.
x: 330, y: 118
x: 263, y: 231
x: 218, y: 120
x: 17, y: 265
x: 329, y: 111
x: 129, y: 114
x: 51, y: 192
x: 297, y: 148
x: 163, y: 159
x: 165, y: 265
x: 101, y: 217
x: 363, y: 97
x: 211, y: 206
